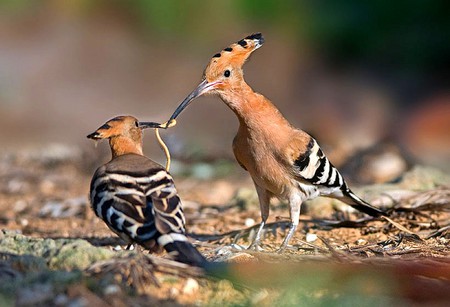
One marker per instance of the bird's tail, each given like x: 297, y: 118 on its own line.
x: 181, y: 249
x: 351, y: 199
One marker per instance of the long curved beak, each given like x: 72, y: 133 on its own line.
x: 201, y: 89
x: 145, y: 125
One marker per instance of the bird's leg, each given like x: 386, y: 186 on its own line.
x: 264, y: 202
x: 256, y: 244
x: 295, y: 203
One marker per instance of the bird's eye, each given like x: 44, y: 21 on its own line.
x: 137, y: 124
x: 227, y: 73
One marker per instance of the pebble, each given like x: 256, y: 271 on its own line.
x: 311, y: 237
x: 443, y: 240
x: 249, y: 222
x: 191, y: 286
x: 111, y: 290
x: 361, y: 242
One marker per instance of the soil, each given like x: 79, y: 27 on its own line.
x: 337, y: 256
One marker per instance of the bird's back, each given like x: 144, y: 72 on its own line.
x: 121, y: 194
x: 133, y: 164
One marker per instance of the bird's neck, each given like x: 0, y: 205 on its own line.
x: 253, y: 110
x: 121, y: 145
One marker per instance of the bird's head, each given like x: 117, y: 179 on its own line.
x: 124, y: 133
x: 124, y: 126
x: 224, y: 70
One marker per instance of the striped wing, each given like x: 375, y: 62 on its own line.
x: 138, y: 200
x: 138, y: 208
x: 313, y: 167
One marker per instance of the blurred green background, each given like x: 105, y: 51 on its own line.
x: 352, y: 73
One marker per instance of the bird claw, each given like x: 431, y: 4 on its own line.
x: 256, y: 246
x: 282, y: 248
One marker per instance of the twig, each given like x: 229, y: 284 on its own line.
x: 401, y: 227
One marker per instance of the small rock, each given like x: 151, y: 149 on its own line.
x: 361, y: 242
x: 191, y: 286
x: 311, y: 237
x: 111, y: 290
x: 249, y: 222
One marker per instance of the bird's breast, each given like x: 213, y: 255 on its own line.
x: 259, y: 159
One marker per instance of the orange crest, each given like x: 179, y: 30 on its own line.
x: 233, y: 56
x: 224, y: 71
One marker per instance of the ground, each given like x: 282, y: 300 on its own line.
x: 55, y: 251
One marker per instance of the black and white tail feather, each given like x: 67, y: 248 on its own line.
x: 317, y: 176
x: 137, y: 199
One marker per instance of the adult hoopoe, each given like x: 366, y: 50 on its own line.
x: 283, y: 161
x: 136, y: 197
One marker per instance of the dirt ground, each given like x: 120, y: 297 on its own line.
x: 337, y: 256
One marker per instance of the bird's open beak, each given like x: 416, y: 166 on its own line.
x: 145, y: 125
x: 201, y: 89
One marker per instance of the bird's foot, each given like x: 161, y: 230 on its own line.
x: 256, y: 246
x: 282, y: 249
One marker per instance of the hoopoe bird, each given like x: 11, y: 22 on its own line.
x: 283, y: 161
x: 136, y: 197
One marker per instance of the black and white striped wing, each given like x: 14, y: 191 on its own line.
x: 169, y: 216
x: 314, y: 168
x: 143, y: 207
x: 121, y: 201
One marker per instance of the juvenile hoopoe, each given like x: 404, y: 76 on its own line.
x: 136, y: 197
x: 283, y: 161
